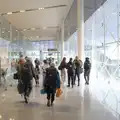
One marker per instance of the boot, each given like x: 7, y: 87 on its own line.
x: 26, y: 99
x: 68, y: 85
x: 48, y: 103
x: 51, y: 103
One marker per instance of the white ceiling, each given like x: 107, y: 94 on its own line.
x: 36, y: 19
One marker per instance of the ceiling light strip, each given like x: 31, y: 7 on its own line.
x: 55, y: 6
x: 30, y: 10
x: 33, y: 29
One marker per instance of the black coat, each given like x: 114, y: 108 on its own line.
x: 51, y: 77
x: 28, y: 72
x: 70, y: 68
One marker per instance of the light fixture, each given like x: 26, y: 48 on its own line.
x: 16, y: 30
x: 37, y: 36
x: 22, y: 11
x: 40, y: 8
x: 32, y: 28
x: 44, y: 27
x: 9, y: 13
x: 24, y: 29
x: 0, y: 116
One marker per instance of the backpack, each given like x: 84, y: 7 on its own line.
x: 87, y: 65
x: 51, y: 77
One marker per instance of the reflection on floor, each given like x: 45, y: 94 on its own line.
x: 75, y: 104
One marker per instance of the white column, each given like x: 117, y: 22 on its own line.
x: 57, y: 44
x: 10, y: 42
x: 0, y: 31
x: 62, y: 41
x: 80, y: 29
x: 18, y: 37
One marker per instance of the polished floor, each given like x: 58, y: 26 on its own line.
x: 75, y: 104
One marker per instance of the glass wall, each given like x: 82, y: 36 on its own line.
x: 42, y: 49
x: 70, y: 49
x: 102, y: 45
x: 10, y: 47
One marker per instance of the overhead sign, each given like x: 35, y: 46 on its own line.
x: 52, y: 50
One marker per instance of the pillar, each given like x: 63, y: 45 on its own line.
x: 57, y: 45
x: 10, y: 43
x: 62, y: 40
x: 80, y: 28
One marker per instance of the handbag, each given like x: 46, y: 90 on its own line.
x: 43, y: 91
x: 60, y: 67
x: 59, y: 92
x: 16, y: 76
x: 21, y: 87
x: 81, y: 70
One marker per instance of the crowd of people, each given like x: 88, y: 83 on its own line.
x: 74, y: 69
x: 52, y: 80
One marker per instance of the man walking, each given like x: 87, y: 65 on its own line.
x: 87, y: 68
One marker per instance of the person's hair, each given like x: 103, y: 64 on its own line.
x: 87, y: 58
x: 52, y: 65
x: 64, y: 59
x: 76, y: 57
x: 71, y: 59
x: 45, y: 61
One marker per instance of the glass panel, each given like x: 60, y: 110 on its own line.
x: 102, y: 30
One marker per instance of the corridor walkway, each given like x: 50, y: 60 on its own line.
x: 75, y: 104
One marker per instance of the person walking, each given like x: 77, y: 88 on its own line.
x: 62, y: 67
x: 51, y: 83
x: 37, y: 64
x: 27, y: 72
x: 87, y: 69
x: 78, y: 67
x: 70, y: 71
x: 44, y: 67
x: 37, y: 71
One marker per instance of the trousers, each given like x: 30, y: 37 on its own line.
x: 51, y: 94
x: 70, y: 80
x: 27, y: 88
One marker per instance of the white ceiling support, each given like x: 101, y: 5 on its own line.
x: 37, y: 19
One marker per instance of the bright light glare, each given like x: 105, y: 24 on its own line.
x: 22, y: 11
x: 9, y: 13
x: 0, y: 116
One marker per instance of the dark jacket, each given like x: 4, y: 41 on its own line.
x: 52, y: 78
x: 63, y: 65
x: 70, y: 68
x: 87, y: 65
x: 28, y: 71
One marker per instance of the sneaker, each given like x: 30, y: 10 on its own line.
x: 26, y: 99
x: 68, y: 85
x: 52, y: 103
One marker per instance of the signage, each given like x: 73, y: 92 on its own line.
x: 52, y: 50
